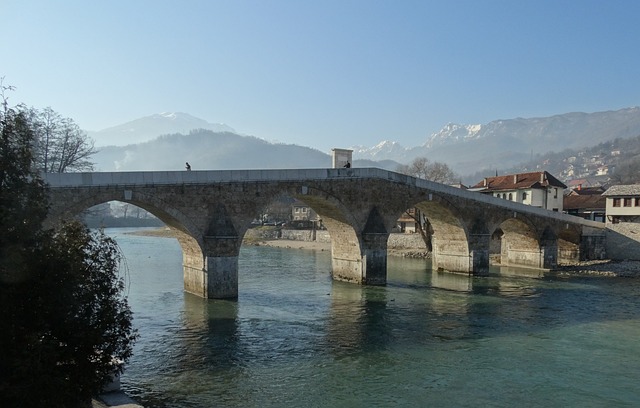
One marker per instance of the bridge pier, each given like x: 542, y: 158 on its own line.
x: 549, y: 253
x: 222, y: 277
x: 461, y: 256
x: 479, y: 253
x: 374, y: 257
x: 195, y: 280
x: 365, y: 264
x: 214, y: 274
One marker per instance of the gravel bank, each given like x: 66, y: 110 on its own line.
x: 609, y: 268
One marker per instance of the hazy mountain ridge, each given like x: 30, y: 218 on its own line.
x: 208, y: 150
x: 507, y: 142
x: 149, y: 127
x: 467, y: 149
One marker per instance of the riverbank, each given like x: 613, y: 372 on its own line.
x: 326, y: 246
x: 603, y: 268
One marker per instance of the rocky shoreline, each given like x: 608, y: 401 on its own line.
x: 605, y: 268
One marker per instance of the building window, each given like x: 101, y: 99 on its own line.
x: 304, y: 209
x: 297, y: 209
x: 510, y: 197
x: 616, y: 202
x: 555, y: 193
x: 627, y: 202
x: 524, y: 196
x: 637, y: 202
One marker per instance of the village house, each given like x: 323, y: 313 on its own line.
x: 303, y: 216
x: 408, y: 221
x: 623, y: 203
x: 586, y: 202
x: 538, y: 189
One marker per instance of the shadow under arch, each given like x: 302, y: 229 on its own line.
x: 346, y: 242
x: 519, y: 244
x: 569, y: 240
x: 450, y: 238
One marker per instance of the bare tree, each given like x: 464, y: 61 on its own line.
x: 61, y: 146
x: 422, y: 168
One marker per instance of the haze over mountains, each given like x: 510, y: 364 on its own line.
x: 150, y: 127
x: 166, y: 141
x: 505, y: 143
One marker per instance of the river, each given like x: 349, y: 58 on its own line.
x: 295, y: 338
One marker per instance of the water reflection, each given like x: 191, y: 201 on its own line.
x: 210, y: 332
x: 513, y: 271
x: 452, y: 281
x: 295, y: 338
x: 359, y: 318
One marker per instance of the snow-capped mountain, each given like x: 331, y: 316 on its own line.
x: 506, y: 142
x: 384, y: 150
x: 453, y: 133
x: 467, y: 149
x: 149, y: 127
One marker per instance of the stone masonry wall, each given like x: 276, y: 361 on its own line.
x: 623, y: 241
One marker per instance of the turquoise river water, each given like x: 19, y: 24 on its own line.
x: 295, y: 338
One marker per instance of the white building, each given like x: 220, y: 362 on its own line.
x: 623, y: 203
x: 538, y: 189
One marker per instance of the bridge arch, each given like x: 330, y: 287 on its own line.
x: 181, y: 225
x: 460, y: 240
x: 358, y: 236
x: 521, y: 242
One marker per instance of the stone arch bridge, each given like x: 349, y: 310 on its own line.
x: 210, y: 211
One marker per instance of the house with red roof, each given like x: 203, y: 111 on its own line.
x: 538, y: 189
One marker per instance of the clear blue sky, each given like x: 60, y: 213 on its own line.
x: 322, y: 73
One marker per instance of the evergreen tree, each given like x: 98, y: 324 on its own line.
x: 66, y: 326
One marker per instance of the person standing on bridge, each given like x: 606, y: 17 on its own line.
x: 188, y: 166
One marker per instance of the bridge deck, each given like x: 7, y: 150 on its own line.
x: 147, y: 178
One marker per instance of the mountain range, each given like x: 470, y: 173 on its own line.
x: 150, y: 127
x: 507, y: 142
x: 166, y: 141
